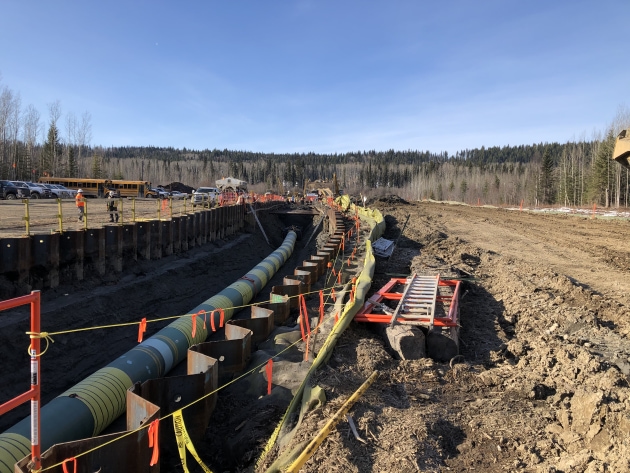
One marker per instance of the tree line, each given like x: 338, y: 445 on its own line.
x: 576, y: 173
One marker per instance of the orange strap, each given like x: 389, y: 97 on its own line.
x: 142, y: 328
x: 305, y: 327
x: 202, y: 313
x: 300, y: 299
x: 339, y: 277
x: 154, y: 441
x: 306, y: 318
x: 221, y: 313
x: 269, y: 371
x: 194, y: 325
x: 333, y: 295
x: 336, y: 317
x: 71, y: 459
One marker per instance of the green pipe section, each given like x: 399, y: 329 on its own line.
x: 87, y: 408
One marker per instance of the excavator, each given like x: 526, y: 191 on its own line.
x: 622, y: 148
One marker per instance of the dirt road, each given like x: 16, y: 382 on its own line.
x: 542, y: 384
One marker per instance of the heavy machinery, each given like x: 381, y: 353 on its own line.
x: 622, y: 148
x: 231, y: 184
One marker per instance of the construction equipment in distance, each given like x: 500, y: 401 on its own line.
x: 622, y: 148
x: 231, y: 184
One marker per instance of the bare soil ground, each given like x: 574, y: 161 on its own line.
x: 43, y: 214
x: 542, y: 384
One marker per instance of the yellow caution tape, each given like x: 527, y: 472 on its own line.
x: 184, y: 443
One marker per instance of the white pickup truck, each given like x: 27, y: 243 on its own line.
x: 203, y: 195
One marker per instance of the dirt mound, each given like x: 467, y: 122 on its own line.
x: 178, y: 186
x: 391, y: 199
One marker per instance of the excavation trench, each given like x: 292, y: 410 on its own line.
x: 152, y: 289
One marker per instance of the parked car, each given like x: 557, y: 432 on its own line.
x: 154, y: 193
x: 10, y: 191
x: 204, y: 194
x: 37, y: 190
x: 60, y: 192
x: 176, y: 195
x: 72, y: 192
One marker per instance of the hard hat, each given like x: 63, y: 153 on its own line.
x: 80, y: 191
x: 112, y: 193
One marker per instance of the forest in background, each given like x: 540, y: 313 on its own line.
x: 576, y: 174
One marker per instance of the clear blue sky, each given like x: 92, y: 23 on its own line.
x: 322, y: 76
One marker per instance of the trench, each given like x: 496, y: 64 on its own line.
x: 153, y: 289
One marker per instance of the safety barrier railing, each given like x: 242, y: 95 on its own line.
x: 57, y: 215
x: 34, y: 393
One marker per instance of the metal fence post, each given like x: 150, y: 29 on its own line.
x: 60, y: 216
x: 85, y: 214
x: 133, y: 209
x: 122, y: 218
x: 26, y: 217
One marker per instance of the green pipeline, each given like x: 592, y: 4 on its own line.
x: 90, y: 406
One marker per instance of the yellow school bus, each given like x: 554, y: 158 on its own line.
x: 131, y: 188
x: 100, y: 187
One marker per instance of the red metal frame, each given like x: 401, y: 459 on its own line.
x: 33, y: 394
x: 366, y: 313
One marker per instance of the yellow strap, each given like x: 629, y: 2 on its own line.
x: 310, y: 449
x: 184, y: 442
x: 43, y: 335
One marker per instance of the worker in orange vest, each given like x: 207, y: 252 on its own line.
x: 80, y: 200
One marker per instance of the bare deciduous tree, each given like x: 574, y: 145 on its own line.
x: 31, y: 130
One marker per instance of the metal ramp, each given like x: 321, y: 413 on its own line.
x: 426, y: 301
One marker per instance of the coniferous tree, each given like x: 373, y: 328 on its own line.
x: 51, y: 151
x: 96, y: 167
x: 602, y: 175
x: 547, y: 182
x: 73, y: 167
x: 463, y: 187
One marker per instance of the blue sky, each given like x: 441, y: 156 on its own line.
x: 322, y: 76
